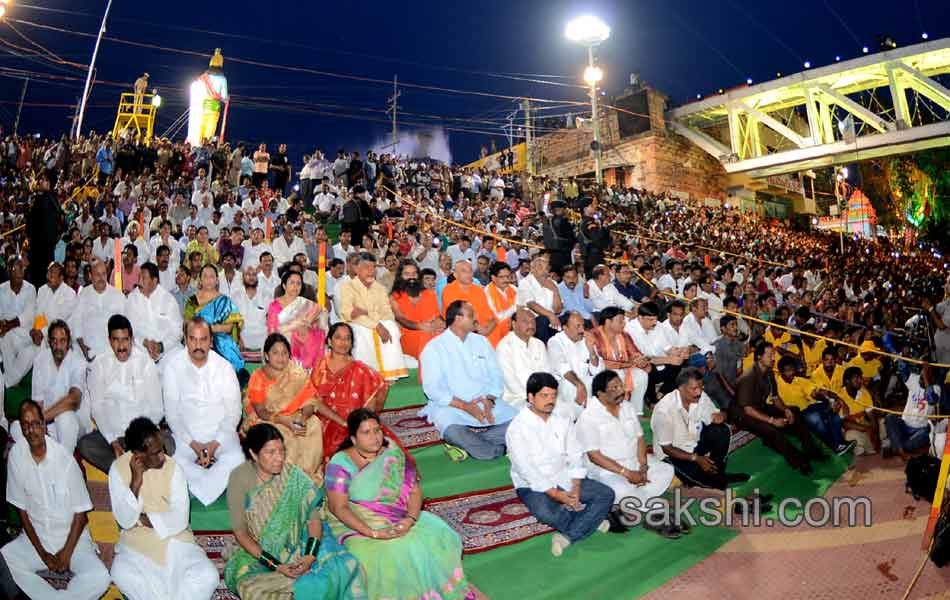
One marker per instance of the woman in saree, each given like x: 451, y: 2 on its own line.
x: 620, y: 354
x: 375, y: 504
x: 286, y: 549
x: 280, y: 393
x: 221, y: 313
x: 300, y: 320
x: 344, y: 384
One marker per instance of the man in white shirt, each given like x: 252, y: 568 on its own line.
x: 425, y: 255
x: 166, y: 273
x: 547, y: 469
x: 17, y: 310
x: 462, y: 250
x: 228, y: 209
x: 691, y: 434
x: 154, y: 315
x: 58, y: 386
x: 229, y: 278
x: 698, y: 328
x: 254, y: 247
x: 54, y: 300
x: 157, y: 556
x: 95, y: 305
x: 602, y: 292
x: 326, y: 202
x: 343, y: 248
x: 654, y: 344
x: 103, y: 247
x: 286, y: 246
x: 539, y: 293
x: 909, y: 432
x: 203, y: 409
x: 46, y: 485
x: 679, y: 337
x: 249, y: 302
x: 202, y: 195
x: 164, y: 238
x: 267, y: 278
x: 123, y: 384
x: 519, y: 355
x: 574, y: 362
x: 673, y: 279
x: 615, y: 450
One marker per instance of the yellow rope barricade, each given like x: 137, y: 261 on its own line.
x: 12, y: 231
x: 460, y: 225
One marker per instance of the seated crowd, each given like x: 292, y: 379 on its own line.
x: 144, y: 326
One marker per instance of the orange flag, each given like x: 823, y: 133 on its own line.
x: 322, y: 275
x: 117, y: 269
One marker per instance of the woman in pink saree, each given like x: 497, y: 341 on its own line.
x: 301, y: 321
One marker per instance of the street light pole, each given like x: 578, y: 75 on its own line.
x: 594, y: 118
x: 92, y: 65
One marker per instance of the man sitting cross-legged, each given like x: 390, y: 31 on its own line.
x: 463, y: 382
x: 616, y: 451
x: 45, y: 484
x: 203, y: 409
x: 692, y: 435
x: 519, y: 355
x: 819, y: 408
x: 123, y: 384
x: 157, y: 557
x: 547, y: 469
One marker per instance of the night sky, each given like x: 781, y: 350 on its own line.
x: 682, y: 47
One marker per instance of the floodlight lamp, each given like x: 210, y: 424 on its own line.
x: 587, y: 30
x: 593, y: 75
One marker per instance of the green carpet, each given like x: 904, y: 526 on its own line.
x: 602, y: 566
x: 406, y: 392
x: 442, y: 477
x: 210, y: 518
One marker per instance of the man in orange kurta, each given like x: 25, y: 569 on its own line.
x: 416, y: 310
x: 465, y: 288
x: 502, y: 300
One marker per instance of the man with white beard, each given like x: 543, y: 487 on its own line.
x: 96, y: 303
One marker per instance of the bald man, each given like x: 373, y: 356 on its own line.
x: 465, y: 288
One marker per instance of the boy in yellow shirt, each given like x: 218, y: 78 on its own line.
x: 860, y: 423
x: 819, y: 408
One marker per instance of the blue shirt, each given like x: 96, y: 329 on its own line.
x: 574, y: 300
x: 104, y: 159
x: 466, y: 370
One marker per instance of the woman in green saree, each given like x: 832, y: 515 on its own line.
x: 286, y: 551
x: 376, y: 512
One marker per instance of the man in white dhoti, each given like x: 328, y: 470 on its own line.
x: 95, y: 305
x: 519, y: 355
x: 253, y: 307
x: 122, y: 384
x: 17, y: 310
x: 574, y: 361
x: 157, y: 557
x: 616, y: 452
x: 59, y: 382
x: 154, y: 315
x: 45, y: 484
x: 364, y: 304
x: 53, y: 301
x: 203, y: 409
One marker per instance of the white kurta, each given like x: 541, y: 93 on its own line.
x: 16, y: 346
x: 618, y: 438
x: 91, y: 318
x: 518, y: 361
x: 51, y: 493
x: 544, y: 453
x: 187, y: 572
x: 204, y: 405
x: 601, y: 298
x: 566, y: 356
x: 56, y: 305
x: 50, y: 383
x: 122, y: 391
x: 156, y: 317
x: 672, y: 424
x: 254, y: 311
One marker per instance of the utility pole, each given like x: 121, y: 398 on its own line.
x: 595, y: 118
x: 92, y: 66
x: 393, y: 106
x: 510, y: 129
x: 528, y: 138
x: 19, y: 109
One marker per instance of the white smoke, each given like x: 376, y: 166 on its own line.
x: 417, y: 143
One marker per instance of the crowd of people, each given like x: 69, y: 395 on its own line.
x: 143, y: 283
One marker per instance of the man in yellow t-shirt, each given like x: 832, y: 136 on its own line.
x: 861, y: 424
x: 829, y: 374
x: 811, y: 348
x: 867, y: 360
x: 819, y: 408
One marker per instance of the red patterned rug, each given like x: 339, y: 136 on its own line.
x: 412, y: 430
x: 487, y: 519
x: 218, y: 546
